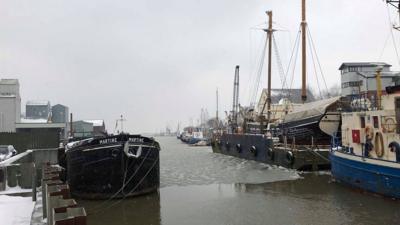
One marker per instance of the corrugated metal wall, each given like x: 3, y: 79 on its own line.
x: 31, y: 140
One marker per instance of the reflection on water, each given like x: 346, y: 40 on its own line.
x: 139, y: 210
x: 200, y: 187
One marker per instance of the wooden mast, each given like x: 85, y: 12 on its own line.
x: 216, y: 117
x: 303, y: 52
x: 269, y: 33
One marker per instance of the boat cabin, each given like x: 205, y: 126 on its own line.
x: 374, y: 133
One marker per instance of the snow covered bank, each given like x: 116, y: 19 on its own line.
x: 15, y: 210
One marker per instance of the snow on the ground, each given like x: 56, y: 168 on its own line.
x: 15, y: 210
x: 14, y: 190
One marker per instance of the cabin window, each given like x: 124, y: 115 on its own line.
x: 376, y: 121
x: 362, y: 122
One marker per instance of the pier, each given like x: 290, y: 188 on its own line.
x: 38, y: 170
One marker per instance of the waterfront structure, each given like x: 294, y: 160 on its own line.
x: 38, y: 109
x: 358, y: 79
x: 10, y: 104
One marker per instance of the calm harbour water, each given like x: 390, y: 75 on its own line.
x: 199, y: 187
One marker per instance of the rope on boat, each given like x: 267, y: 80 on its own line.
x: 317, y: 154
x: 124, y: 183
x: 137, y: 185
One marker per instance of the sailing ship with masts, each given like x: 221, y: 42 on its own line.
x: 301, y: 129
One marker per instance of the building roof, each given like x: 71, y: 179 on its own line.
x: 9, y: 81
x: 40, y: 125
x: 363, y: 64
x: 25, y: 120
x: 59, y: 105
x: 38, y: 102
x: 96, y: 123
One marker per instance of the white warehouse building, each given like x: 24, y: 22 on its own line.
x: 10, y: 105
x: 359, y: 78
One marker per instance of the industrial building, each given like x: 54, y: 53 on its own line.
x: 359, y: 78
x: 38, y: 110
x: 10, y: 104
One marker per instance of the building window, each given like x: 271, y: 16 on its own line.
x: 352, y: 84
x: 376, y: 121
x: 362, y: 120
x: 353, y: 69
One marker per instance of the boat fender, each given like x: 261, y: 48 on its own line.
x: 253, y: 149
x: 379, y: 147
x: 238, y: 147
x: 270, y: 153
x: 290, y: 157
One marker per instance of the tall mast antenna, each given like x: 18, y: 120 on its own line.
x: 122, y: 123
x: 235, y: 105
x: 269, y: 33
x: 303, y: 52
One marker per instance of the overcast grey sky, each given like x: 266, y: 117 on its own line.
x: 159, y: 62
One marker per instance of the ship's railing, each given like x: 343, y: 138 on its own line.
x: 360, y: 102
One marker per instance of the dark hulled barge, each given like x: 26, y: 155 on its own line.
x: 113, y: 167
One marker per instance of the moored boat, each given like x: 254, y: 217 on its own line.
x: 367, y: 154
x: 113, y: 167
x: 255, y: 137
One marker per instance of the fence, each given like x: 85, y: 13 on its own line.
x: 31, y: 140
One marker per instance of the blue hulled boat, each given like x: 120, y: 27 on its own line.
x: 367, y: 153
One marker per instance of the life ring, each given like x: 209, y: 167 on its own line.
x: 369, y: 132
x: 253, y: 150
x: 389, y: 126
x: 271, y: 153
x: 290, y: 157
x: 238, y: 147
x: 379, y: 147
